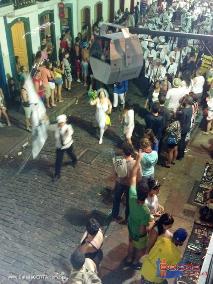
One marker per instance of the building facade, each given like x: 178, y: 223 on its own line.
x: 25, y: 24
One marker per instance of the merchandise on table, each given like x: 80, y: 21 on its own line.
x: 195, y: 253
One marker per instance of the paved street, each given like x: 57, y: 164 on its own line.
x: 41, y: 223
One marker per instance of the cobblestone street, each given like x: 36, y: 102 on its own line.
x: 42, y: 222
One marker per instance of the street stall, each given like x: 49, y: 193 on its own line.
x: 197, y: 257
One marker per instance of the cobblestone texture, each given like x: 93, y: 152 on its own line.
x: 41, y: 222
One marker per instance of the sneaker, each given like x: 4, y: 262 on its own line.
x: 79, y: 81
x: 29, y: 129
x: 100, y: 141
x: 205, y: 132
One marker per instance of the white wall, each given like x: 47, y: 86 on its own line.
x: 81, y: 4
x: 4, y: 47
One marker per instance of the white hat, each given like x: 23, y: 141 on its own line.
x: 162, y: 39
x: 61, y: 118
x: 151, y: 44
x: 177, y: 83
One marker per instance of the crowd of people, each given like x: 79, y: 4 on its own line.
x: 150, y: 238
x: 176, y: 92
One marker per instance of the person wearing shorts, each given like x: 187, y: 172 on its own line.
x: 58, y: 70
x: 139, y: 220
x: 45, y: 77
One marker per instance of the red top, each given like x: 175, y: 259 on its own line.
x: 64, y: 44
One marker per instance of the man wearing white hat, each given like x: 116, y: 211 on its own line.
x: 64, y: 143
x: 159, y: 71
x: 171, y: 68
x: 150, y: 50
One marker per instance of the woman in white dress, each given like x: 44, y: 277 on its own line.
x: 103, y: 109
x: 128, y: 122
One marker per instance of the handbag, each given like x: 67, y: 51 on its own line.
x: 108, y: 120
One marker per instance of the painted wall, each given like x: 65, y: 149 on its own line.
x: 4, y: 47
x: 91, y: 4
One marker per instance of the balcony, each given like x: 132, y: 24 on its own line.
x: 18, y: 4
x: 5, y: 3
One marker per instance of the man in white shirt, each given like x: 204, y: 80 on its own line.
x: 197, y: 86
x: 162, y: 54
x: 84, y: 270
x: 64, y: 143
x: 174, y: 95
x: 150, y: 50
x: 149, y: 66
x: 171, y: 68
x: 159, y: 71
x: 176, y: 54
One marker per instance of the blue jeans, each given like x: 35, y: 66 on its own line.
x: 120, y: 189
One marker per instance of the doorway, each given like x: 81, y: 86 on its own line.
x: 132, y: 5
x: 86, y: 21
x: 47, y: 31
x: 98, y: 11
x: 122, y: 4
x: 19, y: 43
x: 67, y: 21
x: 111, y: 10
x: 3, y: 82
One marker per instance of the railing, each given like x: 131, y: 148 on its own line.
x: 18, y: 4
x: 5, y: 3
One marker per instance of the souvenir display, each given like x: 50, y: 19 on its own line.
x: 195, y: 253
x: 205, y: 185
x: 207, y: 178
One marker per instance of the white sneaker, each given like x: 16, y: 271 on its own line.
x: 79, y: 81
x: 100, y: 141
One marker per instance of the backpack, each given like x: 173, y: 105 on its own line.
x: 120, y: 166
x: 172, y: 139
